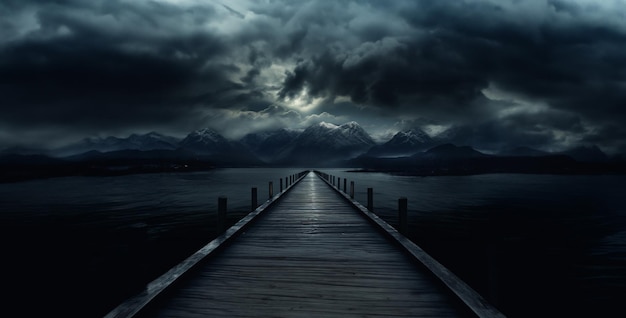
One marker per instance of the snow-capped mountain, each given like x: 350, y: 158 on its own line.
x: 206, y: 141
x: 145, y: 142
x: 345, y: 137
x: 403, y: 143
x: 266, y: 145
x: 325, y: 142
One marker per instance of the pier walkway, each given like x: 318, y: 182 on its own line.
x: 311, y: 254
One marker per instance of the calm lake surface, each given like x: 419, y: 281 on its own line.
x: 534, y: 245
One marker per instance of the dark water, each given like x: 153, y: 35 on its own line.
x: 77, y: 247
x: 535, y: 245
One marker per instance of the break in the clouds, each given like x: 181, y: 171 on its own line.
x: 547, y: 74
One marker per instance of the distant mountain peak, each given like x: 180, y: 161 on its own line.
x: 205, y: 140
x: 403, y: 143
x: 350, y: 124
x: 326, y: 125
x: 205, y: 132
x: 412, y: 137
x: 204, y: 136
x: 325, y: 142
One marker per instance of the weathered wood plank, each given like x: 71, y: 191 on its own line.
x: 311, y: 255
x: 470, y: 297
x: 134, y: 305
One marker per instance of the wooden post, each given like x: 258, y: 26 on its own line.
x: 339, y: 183
x: 255, y: 202
x: 370, y: 199
x: 271, y: 189
x: 281, y: 184
x: 352, y: 189
x: 221, y: 214
x: 344, y: 185
x: 402, y: 215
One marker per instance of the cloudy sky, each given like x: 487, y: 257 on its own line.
x: 548, y: 74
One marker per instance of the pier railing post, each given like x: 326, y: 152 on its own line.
x: 281, y: 184
x: 370, y: 199
x: 339, y: 183
x: 402, y: 215
x: 345, y: 188
x: 221, y: 214
x: 255, y: 202
x: 352, y: 189
x: 271, y: 189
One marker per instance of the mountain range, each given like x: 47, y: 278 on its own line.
x: 322, y: 144
x: 149, y: 141
x: 325, y: 144
x: 403, y: 143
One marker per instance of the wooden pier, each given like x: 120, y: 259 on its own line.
x: 309, y: 251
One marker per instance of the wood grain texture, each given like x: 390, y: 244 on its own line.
x: 311, y: 255
x: 135, y: 305
x: 474, y: 301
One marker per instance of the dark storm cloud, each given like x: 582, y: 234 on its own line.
x: 457, y: 48
x: 564, y: 54
x: 544, y: 73
x: 391, y: 74
x: 92, y: 74
x: 539, y: 130
x: 111, y: 66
